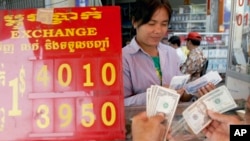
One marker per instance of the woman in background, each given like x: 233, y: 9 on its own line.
x: 175, y: 42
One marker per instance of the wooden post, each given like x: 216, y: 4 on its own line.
x: 186, y: 2
x: 221, y: 16
x: 208, y: 7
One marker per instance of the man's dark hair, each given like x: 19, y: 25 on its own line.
x: 175, y: 40
x: 195, y: 42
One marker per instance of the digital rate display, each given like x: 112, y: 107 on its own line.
x: 61, y: 74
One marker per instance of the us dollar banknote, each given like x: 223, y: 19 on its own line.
x: 162, y: 100
x: 218, y: 100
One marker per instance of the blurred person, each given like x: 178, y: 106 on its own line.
x: 195, y: 59
x: 175, y: 42
x: 146, y: 60
x: 185, y: 50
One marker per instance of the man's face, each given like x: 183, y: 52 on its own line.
x: 188, y: 44
x: 173, y: 45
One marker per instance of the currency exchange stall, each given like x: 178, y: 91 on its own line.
x: 60, y: 74
x: 238, y: 72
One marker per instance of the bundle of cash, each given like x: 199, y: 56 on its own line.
x: 178, y: 82
x: 218, y: 100
x: 212, y: 77
x: 162, y: 100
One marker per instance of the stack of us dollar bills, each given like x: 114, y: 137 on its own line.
x: 194, y: 117
x: 162, y: 100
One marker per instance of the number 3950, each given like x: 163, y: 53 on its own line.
x: 65, y: 114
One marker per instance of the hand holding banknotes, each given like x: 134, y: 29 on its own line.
x: 210, y: 77
x: 207, y: 88
x: 201, y: 91
x: 187, y: 91
x: 218, y: 129
x: 146, y: 128
x: 218, y: 100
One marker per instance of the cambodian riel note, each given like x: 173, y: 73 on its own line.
x: 178, y: 82
x: 212, y: 77
x: 218, y: 100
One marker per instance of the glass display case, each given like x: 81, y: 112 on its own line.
x: 238, y: 71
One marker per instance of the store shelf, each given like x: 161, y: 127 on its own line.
x: 190, y: 21
x: 188, y: 18
x: 214, y: 46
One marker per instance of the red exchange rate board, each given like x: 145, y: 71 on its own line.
x: 61, y: 74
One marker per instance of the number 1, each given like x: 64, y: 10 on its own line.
x: 14, y: 111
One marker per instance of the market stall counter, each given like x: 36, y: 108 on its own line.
x: 180, y: 131
x: 184, y: 134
